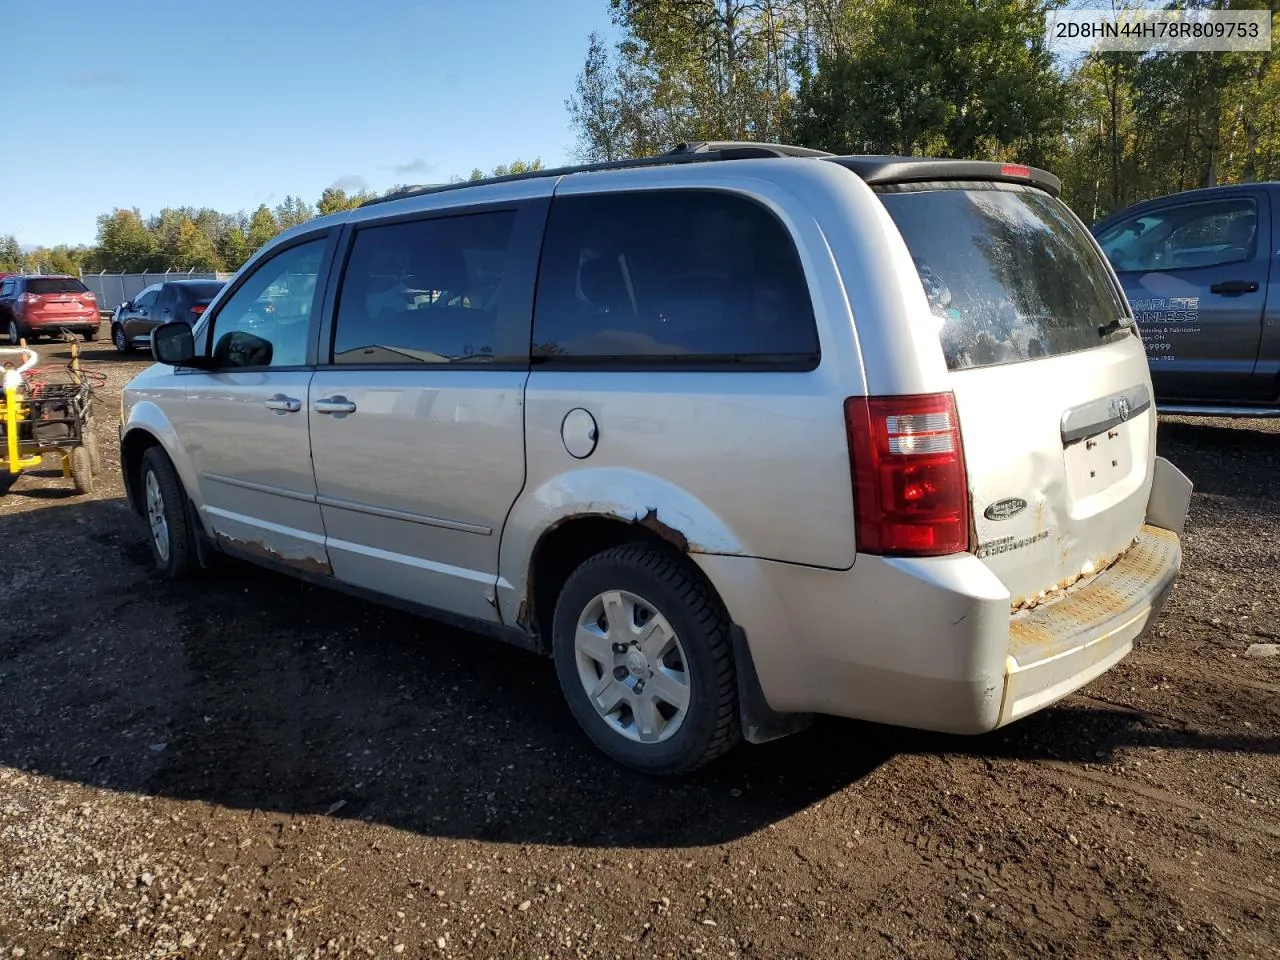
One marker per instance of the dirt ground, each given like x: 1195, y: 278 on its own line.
x: 251, y: 767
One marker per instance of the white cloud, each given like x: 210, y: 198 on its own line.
x: 350, y: 183
x: 415, y: 166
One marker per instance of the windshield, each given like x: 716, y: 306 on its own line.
x: 1009, y: 273
x: 56, y: 285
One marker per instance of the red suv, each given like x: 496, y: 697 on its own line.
x: 35, y: 305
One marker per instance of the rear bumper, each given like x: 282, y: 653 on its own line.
x: 931, y: 643
x: 1061, y: 646
x: 47, y: 325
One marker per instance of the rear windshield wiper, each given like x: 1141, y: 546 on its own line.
x: 1111, y: 326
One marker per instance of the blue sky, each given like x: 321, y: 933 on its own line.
x: 124, y: 103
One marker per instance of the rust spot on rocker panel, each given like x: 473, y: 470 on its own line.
x: 253, y: 548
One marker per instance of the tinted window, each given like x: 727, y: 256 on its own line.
x: 199, y: 292
x: 1192, y: 235
x: 1008, y: 272
x: 266, y: 322
x: 56, y: 285
x: 6, y: 288
x: 424, y: 291
x: 672, y: 276
x: 146, y: 299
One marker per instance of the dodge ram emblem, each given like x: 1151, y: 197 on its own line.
x: 1004, y: 509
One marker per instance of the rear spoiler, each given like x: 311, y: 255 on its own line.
x: 882, y: 171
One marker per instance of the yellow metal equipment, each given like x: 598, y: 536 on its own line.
x: 52, y: 419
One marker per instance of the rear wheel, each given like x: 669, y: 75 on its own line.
x: 164, y: 506
x: 93, y: 446
x: 90, y: 336
x: 14, y: 333
x: 645, y: 661
x: 119, y: 339
x: 82, y: 470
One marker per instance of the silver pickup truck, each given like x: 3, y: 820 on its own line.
x: 1201, y: 271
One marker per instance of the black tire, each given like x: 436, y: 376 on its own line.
x: 675, y: 589
x: 82, y: 470
x: 120, y: 341
x: 90, y: 336
x: 181, y: 559
x: 14, y: 332
x: 94, y: 447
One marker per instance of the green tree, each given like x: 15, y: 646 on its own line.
x: 59, y: 259
x: 124, y: 243
x: 335, y: 200
x: 1140, y: 125
x: 293, y: 211
x: 262, y: 227
x: 233, y: 247
x: 507, y: 169
x: 969, y: 79
x: 693, y: 70
x: 10, y: 254
x: 193, y: 250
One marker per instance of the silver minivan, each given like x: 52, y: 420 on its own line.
x: 738, y: 434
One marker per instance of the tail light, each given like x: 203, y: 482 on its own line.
x: 1015, y: 170
x: 199, y: 308
x: 911, y: 492
x: 30, y: 298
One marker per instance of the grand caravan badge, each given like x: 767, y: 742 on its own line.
x: 1004, y: 509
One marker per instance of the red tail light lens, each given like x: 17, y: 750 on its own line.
x: 911, y: 493
x: 1015, y: 170
x: 199, y: 308
x: 30, y: 298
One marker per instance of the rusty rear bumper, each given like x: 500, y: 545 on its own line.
x: 1058, y: 647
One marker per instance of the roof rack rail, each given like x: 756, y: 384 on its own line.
x: 696, y: 151
x: 741, y: 149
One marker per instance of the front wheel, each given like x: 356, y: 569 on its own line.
x: 164, y: 506
x: 645, y: 660
x: 15, y: 335
x: 119, y: 339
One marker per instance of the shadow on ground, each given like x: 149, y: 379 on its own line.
x: 251, y: 690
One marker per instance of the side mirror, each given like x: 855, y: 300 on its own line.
x: 173, y: 344
x: 239, y: 348
x: 126, y: 304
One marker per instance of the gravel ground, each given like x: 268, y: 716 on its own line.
x: 251, y: 767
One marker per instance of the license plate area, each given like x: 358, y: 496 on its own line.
x: 1097, y: 463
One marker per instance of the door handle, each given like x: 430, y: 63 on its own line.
x: 1234, y: 287
x: 338, y: 404
x: 282, y: 404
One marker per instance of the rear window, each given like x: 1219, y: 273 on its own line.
x: 200, y: 292
x: 671, y: 278
x: 1008, y: 272
x: 56, y: 285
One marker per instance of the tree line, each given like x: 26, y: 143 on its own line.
x: 187, y: 238
x: 959, y: 78
x: 955, y: 78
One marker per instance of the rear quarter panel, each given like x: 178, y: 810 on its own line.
x: 744, y: 463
